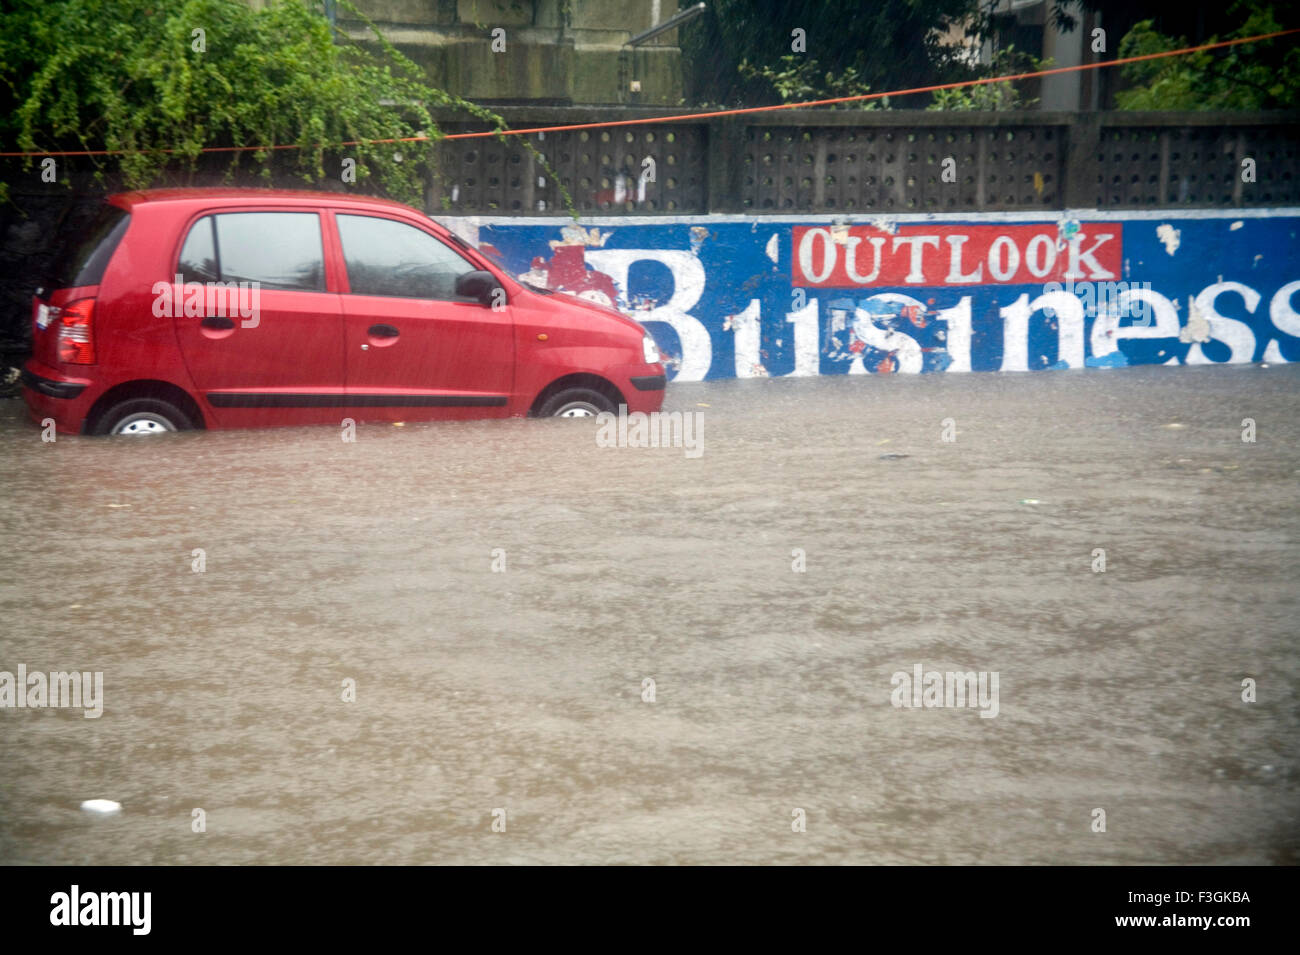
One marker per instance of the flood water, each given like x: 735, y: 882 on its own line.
x: 523, y: 689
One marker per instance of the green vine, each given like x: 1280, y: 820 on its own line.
x: 994, y: 96
x: 800, y: 79
x: 133, y: 76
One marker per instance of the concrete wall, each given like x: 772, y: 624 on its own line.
x: 734, y: 296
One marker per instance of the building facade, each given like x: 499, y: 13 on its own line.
x: 542, y: 52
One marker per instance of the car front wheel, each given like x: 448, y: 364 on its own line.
x: 576, y: 403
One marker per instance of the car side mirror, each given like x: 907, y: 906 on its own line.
x: 482, y: 286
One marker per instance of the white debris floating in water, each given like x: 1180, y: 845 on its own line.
x: 104, y: 806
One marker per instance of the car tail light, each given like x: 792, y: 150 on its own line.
x: 77, y: 332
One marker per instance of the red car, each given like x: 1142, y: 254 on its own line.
x: 231, y: 308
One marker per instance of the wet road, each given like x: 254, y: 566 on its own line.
x: 522, y: 690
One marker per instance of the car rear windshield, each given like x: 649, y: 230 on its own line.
x: 85, y: 251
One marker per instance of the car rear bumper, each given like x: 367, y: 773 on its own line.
x: 49, y: 394
x: 52, y: 387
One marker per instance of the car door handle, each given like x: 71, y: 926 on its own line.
x: 217, y: 323
x: 383, y: 331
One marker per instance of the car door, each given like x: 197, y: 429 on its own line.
x: 414, y: 349
x: 261, y: 336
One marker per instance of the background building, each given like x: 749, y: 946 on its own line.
x: 560, y: 52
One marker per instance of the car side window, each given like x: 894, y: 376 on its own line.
x: 275, y: 249
x: 385, y: 257
x: 199, y: 254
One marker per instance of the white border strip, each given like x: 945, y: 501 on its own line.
x: 759, y: 221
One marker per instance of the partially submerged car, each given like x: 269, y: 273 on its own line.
x: 231, y: 308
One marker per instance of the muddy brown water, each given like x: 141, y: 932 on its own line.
x: 522, y: 690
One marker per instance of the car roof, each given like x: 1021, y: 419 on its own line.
x: 290, y: 196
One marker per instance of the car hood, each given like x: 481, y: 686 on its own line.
x: 572, y: 301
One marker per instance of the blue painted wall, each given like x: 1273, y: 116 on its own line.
x: 729, y: 296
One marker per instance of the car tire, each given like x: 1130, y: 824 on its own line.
x: 142, y: 416
x: 576, y: 403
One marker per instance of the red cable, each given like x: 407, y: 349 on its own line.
x: 689, y: 116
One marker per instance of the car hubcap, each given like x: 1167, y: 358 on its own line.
x: 145, y: 423
x: 578, y: 409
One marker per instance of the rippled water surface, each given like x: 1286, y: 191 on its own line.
x: 523, y: 691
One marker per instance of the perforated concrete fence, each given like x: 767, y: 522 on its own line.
x: 604, y: 171
x: 875, y: 162
x: 1153, y: 166
x: 828, y: 169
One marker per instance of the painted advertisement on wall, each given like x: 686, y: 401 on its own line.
x: 730, y: 296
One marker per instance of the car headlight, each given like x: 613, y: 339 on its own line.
x: 651, y: 350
